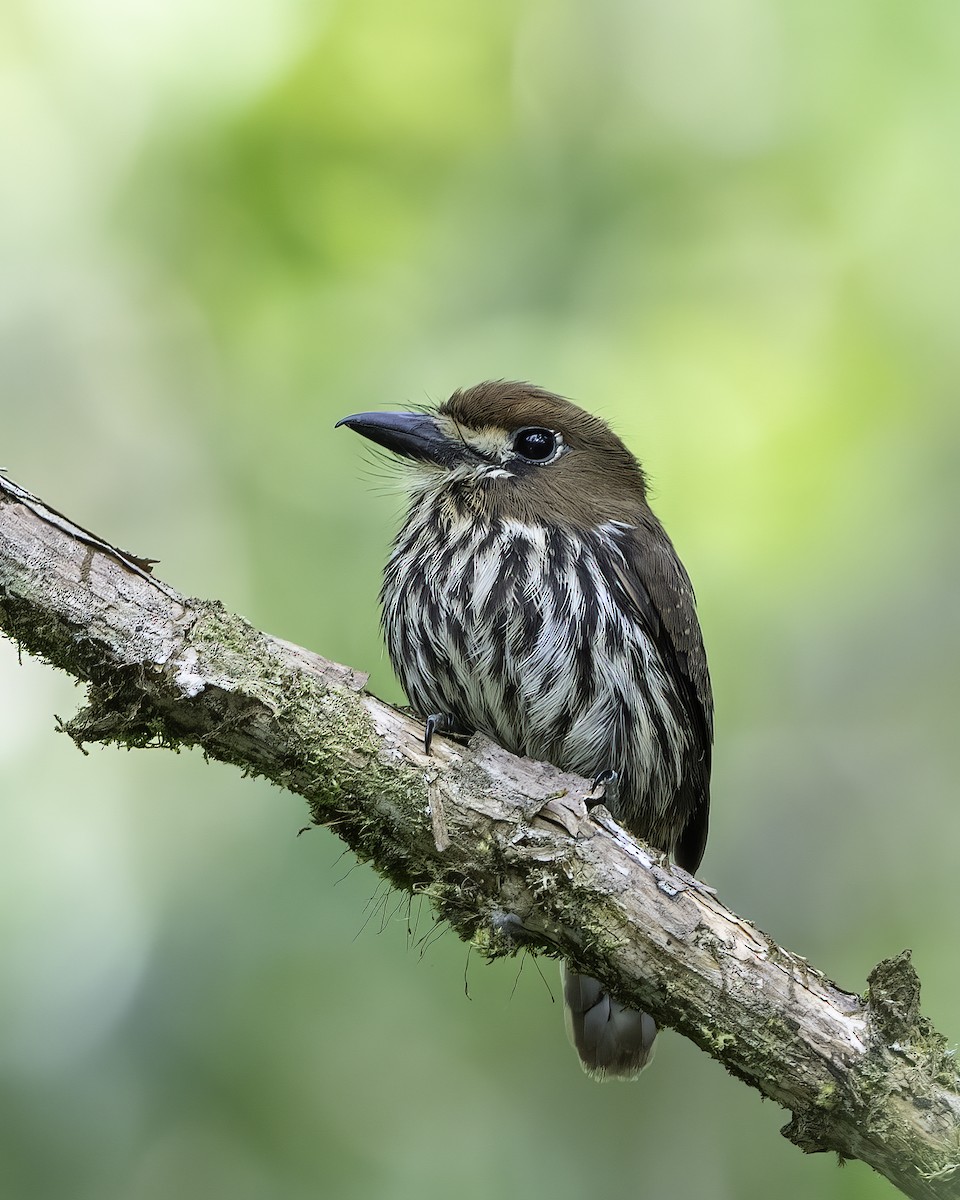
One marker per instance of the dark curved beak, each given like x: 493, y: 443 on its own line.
x: 411, y: 434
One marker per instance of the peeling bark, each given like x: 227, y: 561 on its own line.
x: 502, y: 846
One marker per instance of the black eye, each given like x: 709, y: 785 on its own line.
x: 536, y: 445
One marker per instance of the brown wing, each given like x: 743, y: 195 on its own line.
x: 660, y: 588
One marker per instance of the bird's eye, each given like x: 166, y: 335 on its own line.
x: 537, y: 445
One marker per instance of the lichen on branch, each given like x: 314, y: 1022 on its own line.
x: 503, y: 846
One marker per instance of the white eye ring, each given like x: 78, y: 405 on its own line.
x: 537, y: 445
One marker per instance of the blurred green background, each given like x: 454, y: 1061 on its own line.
x: 731, y: 227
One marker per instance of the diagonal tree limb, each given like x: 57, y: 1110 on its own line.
x: 502, y: 846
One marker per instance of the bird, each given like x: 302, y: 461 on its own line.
x: 532, y: 595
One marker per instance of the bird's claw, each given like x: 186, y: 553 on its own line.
x: 603, y: 783
x: 431, y: 725
x: 447, y: 724
x: 439, y: 723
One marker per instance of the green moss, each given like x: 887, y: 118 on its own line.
x: 717, y: 1041
x: 47, y: 636
x: 893, y: 998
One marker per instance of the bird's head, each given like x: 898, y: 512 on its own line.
x: 514, y: 450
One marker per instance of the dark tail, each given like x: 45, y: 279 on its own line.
x: 612, y: 1041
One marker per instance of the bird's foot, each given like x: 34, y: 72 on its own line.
x: 606, y: 785
x: 441, y: 723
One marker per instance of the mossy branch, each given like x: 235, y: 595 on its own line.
x: 502, y: 846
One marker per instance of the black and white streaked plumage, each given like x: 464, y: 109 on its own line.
x: 532, y: 595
